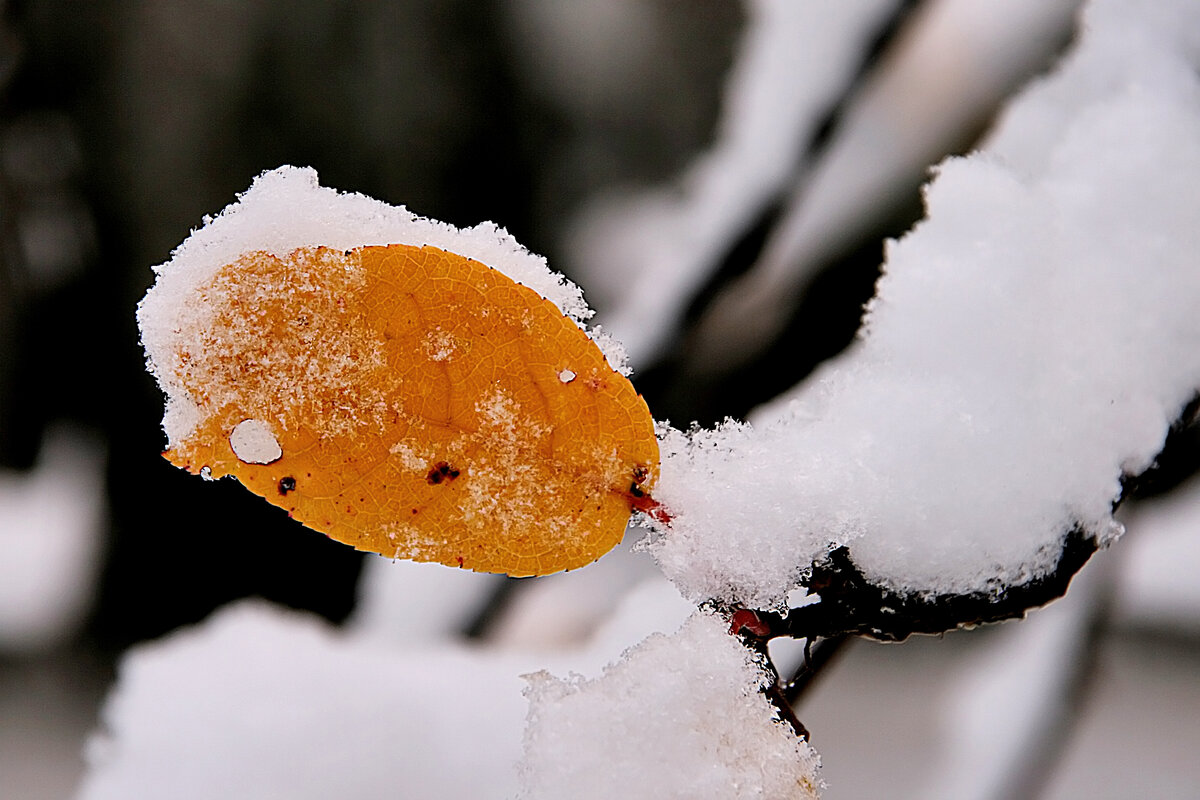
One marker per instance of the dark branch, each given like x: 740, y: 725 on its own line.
x: 774, y: 691
x: 851, y: 605
x: 484, y: 621
x: 816, y: 658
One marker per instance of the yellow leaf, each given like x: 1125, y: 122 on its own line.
x: 416, y: 403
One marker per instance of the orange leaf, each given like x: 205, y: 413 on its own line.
x: 416, y: 403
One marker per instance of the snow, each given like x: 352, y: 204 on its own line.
x: 253, y: 442
x: 690, y: 701
x: 261, y: 702
x: 286, y: 209
x: 1030, y: 343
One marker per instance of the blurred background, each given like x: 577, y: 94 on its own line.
x: 719, y: 177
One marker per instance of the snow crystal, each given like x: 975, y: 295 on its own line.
x: 253, y: 442
x: 408, y: 457
x: 284, y: 210
x: 680, y: 716
x: 440, y: 345
x: 1029, y: 344
x: 503, y: 492
x: 566, y: 376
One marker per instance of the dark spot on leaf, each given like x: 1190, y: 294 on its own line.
x: 287, y: 484
x: 441, y: 471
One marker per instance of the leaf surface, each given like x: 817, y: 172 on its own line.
x: 415, y: 403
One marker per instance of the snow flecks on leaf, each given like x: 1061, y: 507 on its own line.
x: 680, y: 716
x: 403, y: 399
x: 286, y: 209
x: 1029, y: 344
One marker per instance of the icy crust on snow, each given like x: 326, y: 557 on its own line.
x: 680, y: 716
x: 1030, y: 343
x: 285, y: 209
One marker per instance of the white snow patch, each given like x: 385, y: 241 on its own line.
x: 253, y: 442
x: 408, y: 456
x: 679, y: 716
x: 261, y: 702
x: 440, y: 345
x: 1030, y: 342
x: 566, y: 376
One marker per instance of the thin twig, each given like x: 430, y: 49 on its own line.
x: 493, y: 609
x: 816, y: 658
x: 774, y: 691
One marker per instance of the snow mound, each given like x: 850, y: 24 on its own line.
x: 260, y: 702
x: 680, y: 716
x: 1030, y: 343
